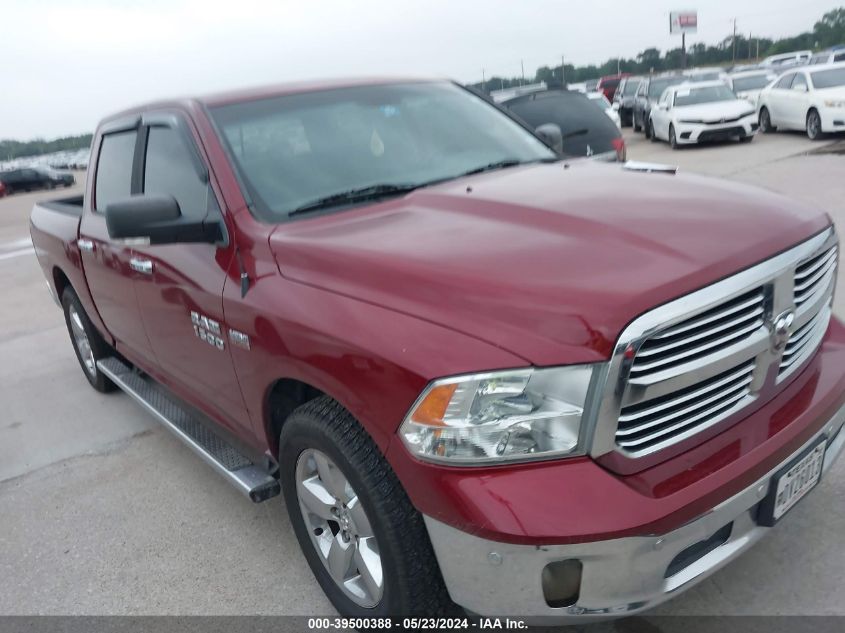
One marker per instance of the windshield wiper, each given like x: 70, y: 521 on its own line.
x: 580, y: 132
x: 508, y: 162
x: 355, y: 195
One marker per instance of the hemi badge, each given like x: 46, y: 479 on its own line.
x: 239, y: 338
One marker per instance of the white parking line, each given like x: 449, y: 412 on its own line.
x: 17, y: 253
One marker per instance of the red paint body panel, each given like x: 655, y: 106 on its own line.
x: 538, y: 265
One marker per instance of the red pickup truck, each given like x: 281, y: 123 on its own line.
x: 479, y: 376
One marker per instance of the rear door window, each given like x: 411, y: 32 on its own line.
x: 169, y: 169
x: 114, y: 168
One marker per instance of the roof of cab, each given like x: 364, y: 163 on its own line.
x: 264, y: 92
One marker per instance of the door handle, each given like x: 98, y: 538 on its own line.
x: 85, y: 245
x: 141, y: 265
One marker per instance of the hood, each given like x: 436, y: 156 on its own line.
x: 715, y: 111
x: 836, y: 92
x: 548, y: 262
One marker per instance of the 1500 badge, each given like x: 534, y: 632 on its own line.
x: 207, y: 330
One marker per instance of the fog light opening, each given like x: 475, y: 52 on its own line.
x: 562, y: 583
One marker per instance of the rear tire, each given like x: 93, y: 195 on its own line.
x: 321, y: 443
x: 87, y: 342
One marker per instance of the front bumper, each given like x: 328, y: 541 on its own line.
x: 833, y: 119
x: 620, y: 576
x: 705, y: 132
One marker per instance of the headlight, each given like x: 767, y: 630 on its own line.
x: 749, y: 113
x: 835, y: 103
x: 500, y: 416
x: 694, y: 121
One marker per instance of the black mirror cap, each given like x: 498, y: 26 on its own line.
x: 157, y: 218
x: 551, y: 135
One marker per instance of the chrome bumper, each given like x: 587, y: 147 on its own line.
x: 620, y: 576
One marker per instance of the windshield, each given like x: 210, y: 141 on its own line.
x: 631, y: 87
x: 657, y: 86
x: 706, y: 76
x: 294, y: 150
x: 752, y: 82
x: 828, y: 78
x: 707, y: 94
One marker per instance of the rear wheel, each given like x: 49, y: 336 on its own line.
x: 366, y: 544
x: 87, y: 342
x: 766, y: 121
x: 814, y: 125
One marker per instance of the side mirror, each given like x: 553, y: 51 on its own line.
x: 551, y: 135
x: 800, y: 88
x: 158, y: 219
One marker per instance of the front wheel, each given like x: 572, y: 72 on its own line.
x: 649, y: 131
x: 673, y: 140
x: 366, y: 544
x: 766, y: 121
x: 637, y: 126
x: 87, y: 342
x: 814, y: 125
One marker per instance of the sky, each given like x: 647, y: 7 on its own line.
x: 64, y: 64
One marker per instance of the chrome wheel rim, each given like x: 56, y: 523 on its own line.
x: 813, y: 125
x: 339, y: 528
x: 80, y: 340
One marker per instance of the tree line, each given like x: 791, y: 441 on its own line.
x: 19, y: 149
x: 828, y: 31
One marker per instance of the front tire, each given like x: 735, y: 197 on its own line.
x: 637, y: 126
x: 814, y: 125
x: 766, y: 126
x: 87, y: 342
x: 366, y: 544
x: 673, y: 139
x: 649, y: 131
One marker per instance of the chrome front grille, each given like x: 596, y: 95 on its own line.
x: 650, y: 423
x: 716, y: 329
x: 695, y: 363
x: 814, y: 276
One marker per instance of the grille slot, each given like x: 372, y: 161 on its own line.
x: 804, y: 341
x: 707, y: 333
x: 814, y: 276
x: 645, y: 425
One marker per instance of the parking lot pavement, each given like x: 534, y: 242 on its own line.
x: 103, y: 512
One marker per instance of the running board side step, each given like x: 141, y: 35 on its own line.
x: 254, y: 481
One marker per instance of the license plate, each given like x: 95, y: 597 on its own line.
x: 792, y: 483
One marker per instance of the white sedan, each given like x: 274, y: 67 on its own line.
x: 601, y: 101
x: 700, y: 112
x: 810, y: 99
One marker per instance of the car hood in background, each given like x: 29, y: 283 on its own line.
x: 549, y: 262
x: 714, y: 111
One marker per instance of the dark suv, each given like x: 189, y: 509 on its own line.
x: 25, y: 179
x: 625, y: 96
x: 585, y: 129
x: 648, y: 93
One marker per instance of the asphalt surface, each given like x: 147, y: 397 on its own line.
x: 104, y: 512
